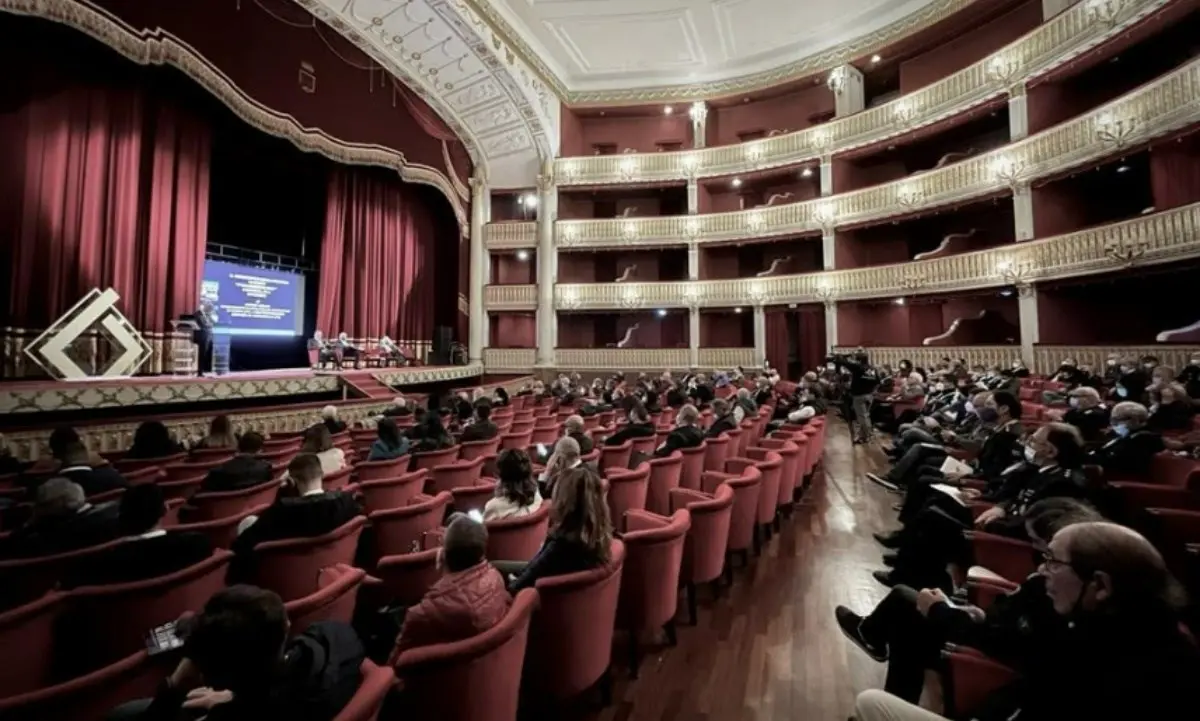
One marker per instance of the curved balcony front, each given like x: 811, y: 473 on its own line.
x: 1164, y: 237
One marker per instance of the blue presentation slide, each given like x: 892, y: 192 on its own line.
x: 253, y: 301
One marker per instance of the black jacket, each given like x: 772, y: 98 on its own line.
x: 138, y: 559
x: 1027, y: 484
x: 1091, y: 422
x: 721, y: 425
x: 999, y: 451
x: 90, y: 527
x: 1175, y: 416
x: 317, y: 678
x: 584, y: 441
x: 863, y: 378
x: 241, y: 471
x: 95, y: 480
x: 1128, y: 456
x: 681, y: 437
x: 631, y: 430
x: 299, y: 517
x: 557, y: 556
x: 479, y: 431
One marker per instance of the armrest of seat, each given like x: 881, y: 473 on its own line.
x: 1154, y: 495
x: 681, y: 497
x: 737, y: 465
x: 978, y: 507
x: 969, y: 678
x: 640, y: 520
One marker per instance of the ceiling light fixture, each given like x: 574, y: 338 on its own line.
x: 737, y: 309
x: 899, y: 301
x: 662, y: 312
x: 876, y: 58
x: 806, y: 173
x: 522, y: 255
x: 1123, y: 168
x: 737, y: 182
x: 668, y: 110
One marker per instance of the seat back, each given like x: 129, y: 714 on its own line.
x: 716, y: 451
x: 29, y: 630
x: 375, y: 470
x: 665, y: 474
x: 433, y: 459
x: 570, y: 640
x: 518, y: 538
x: 111, y: 622
x: 334, y: 600
x: 456, y: 474
x: 24, y: 579
x: 645, y: 444
x: 336, y: 481
x: 383, y: 494
x: 398, y: 529
x: 653, y: 560
x: 292, y: 567
x: 708, y: 537
x: 377, y: 682
x: 221, y: 532
x: 615, y: 457
x: 627, y: 491
x: 693, y: 465
x: 475, y: 679
x: 209, y: 506
x: 471, y: 450
x: 94, y: 696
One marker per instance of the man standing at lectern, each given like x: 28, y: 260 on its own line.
x: 204, y: 335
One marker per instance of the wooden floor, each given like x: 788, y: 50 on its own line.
x: 769, y: 648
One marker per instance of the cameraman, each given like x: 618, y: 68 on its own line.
x: 863, y: 381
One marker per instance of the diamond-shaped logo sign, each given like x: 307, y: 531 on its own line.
x: 97, y: 310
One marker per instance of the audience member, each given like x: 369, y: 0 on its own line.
x: 723, y: 420
x: 319, y: 442
x: 149, y: 550
x: 389, y: 443
x: 57, y: 443
x: 573, y: 428
x: 1087, y: 413
x: 77, y: 468
x: 516, y: 490
x: 1131, y: 445
x: 482, y: 429
x: 1173, y: 411
x: 220, y: 434
x: 639, y: 426
x: 566, y: 456
x: 152, y: 439
x: 468, y: 599
x: 244, y: 470
x: 686, y: 434
x: 580, y: 532
x: 329, y: 417
x: 432, y: 435
x: 399, y: 408
x: 62, y: 521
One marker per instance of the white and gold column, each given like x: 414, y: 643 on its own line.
x: 478, y: 268
x: 831, y: 325
x: 1023, y: 212
x: 1027, y: 313
x: 846, y: 82
x: 760, y: 336
x: 1018, y: 112
x: 699, y: 115
x: 694, y: 336
x: 547, y: 212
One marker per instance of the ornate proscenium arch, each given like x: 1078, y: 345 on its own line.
x: 504, y: 113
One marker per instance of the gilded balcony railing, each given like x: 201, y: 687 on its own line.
x: 1159, y: 108
x: 1047, y: 358
x: 726, y: 358
x: 1163, y: 237
x: 508, y: 359
x: 928, y: 356
x: 510, y: 235
x: 1044, y: 48
x: 633, y: 359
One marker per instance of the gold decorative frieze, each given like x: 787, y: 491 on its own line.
x: 502, y: 360
x: 415, y: 375
x: 723, y: 359
x: 1165, y: 237
x: 510, y: 235
x: 1166, y: 105
x: 616, y: 359
x: 929, y: 356
x: 1047, y: 358
x: 1043, y: 49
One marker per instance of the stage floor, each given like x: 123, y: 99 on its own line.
x: 45, y: 396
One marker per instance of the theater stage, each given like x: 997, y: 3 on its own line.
x: 48, y: 396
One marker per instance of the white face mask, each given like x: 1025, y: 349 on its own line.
x: 830, y: 367
x: 1030, y: 454
x: 1074, y: 402
x: 969, y: 407
x: 1122, y: 391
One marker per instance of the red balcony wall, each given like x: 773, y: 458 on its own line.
x: 790, y: 112
x: 726, y: 329
x: 513, y: 330
x: 969, y: 47
x: 508, y: 270
x: 643, y: 134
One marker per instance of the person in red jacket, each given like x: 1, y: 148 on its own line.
x: 468, y: 599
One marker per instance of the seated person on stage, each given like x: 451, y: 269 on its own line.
x: 389, y: 443
x: 580, y: 535
x: 516, y: 490
x: 390, y: 352
x: 149, y: 551
x: 62, y: 521
x: 303, y: 510
x: 467, y: 600
x: 77, y: 468
x: 934, y: 520
x: 1087, y: 413
x: 241, y: 664
x: 908, y: 630
x: 723, y: 419
x: 329, y: 416
x: 244, y: 470
x: 319, y: 442
x: 400, y: 407
x: 639, y: 426
x: 1116, y: 653
x: 996, y: 441
x: 220, y: 434
x: 326, y: 351
x: 1130, y: 446
x: 1173, y: 411
x: 152, y: 439
x: 685, y: 435
x: 481, y: 427
x: 348, y: 350
x: 573, y: 428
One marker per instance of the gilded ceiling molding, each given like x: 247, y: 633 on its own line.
x: 1046, y: 47
x: 1157, y: 109
x: 817, y: 64
x: 1166, y: 237
x: 162, y: 48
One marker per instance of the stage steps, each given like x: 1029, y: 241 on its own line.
x: 362, y: 384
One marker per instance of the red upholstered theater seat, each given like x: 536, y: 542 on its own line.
x: 334, y: 599
x: 292, y: 567
x: 28, y: 630
x: 377, y: 682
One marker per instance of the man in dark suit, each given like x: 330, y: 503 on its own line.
x: 1131, y: 447
x: 149, y: 551
x: 685, y: 435
x: 304, y: 509
x: 62, y: 521
x: 573, y: 428
x: 400, y: 408
x: 244, y: 470
x: 483, y: 429
x: 93, y: 480
x: 723, y: 419
x: 326, y: 353
x: 203, y: 335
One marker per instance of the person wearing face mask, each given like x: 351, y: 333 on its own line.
x: 1190, y: 377
x: 686, y: 433
x: 1173, y: 411
x: 639, y: 426
x: 1131, y: 382
x: 864, y: 379
x: 1086, y: 413
x: 1131, y: 446
x: 1122, y: 655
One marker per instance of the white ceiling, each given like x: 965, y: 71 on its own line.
x: 618, y: 44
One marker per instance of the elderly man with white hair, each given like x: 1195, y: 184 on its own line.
x: 1130, y: 445
x: 329, y: 416
x: 400, y: 407
x: 686, y: 434
x: 62, y: 521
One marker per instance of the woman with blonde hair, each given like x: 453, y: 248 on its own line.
x: 319, y: 442
x: 581, y: 532
x: 220, y: 434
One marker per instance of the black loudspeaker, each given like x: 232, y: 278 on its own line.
x: 443, y: 338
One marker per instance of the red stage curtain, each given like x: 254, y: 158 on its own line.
x: 777, y: 340
x: 106, y: 187
x: 376, y: 274
x: 810, y: 338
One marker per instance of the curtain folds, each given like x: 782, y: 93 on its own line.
x: 108, y: 188
x: 376, y: 259
x: 810, y: 337
x: 777, y: 346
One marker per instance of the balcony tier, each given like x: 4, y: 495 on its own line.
x: 1046, y: 358
x: 1047, y: 47
x: 1157, y: 109
x: 1164, y: 237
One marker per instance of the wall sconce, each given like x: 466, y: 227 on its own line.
x: 825, y: 215
x: 629, y: 232
x: 698, y: 112
x: 1114, y: 130
x: 836, y: 80
x: 910, y: 196
x: 904, y: 112
x: 1008, y: 171
x: 1105, y: 12
x: 1004, y: 69
x: 1127, y: 251
x: 827, y: 294
x: 628, y: 168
